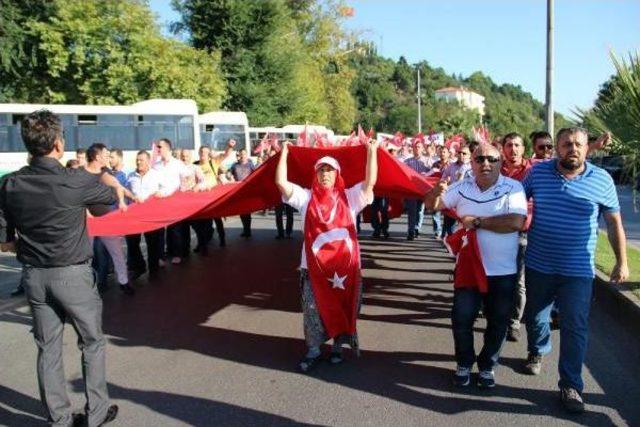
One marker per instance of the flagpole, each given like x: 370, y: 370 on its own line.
x: 419, y: 104
x: 549, y: 88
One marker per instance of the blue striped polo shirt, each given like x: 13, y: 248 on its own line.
x: 563, y: 232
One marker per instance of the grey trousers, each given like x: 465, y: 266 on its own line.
x: 520, y: 298
x: 56, y: 295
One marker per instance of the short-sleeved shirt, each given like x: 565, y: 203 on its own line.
x: 300, y: 198
x: 171, y: 174
x: 418, y: 164
x: 498, y: 250
x: 456, y: 171
x: 563, y: 232
x: 240, y: 171
x: 144, y: 186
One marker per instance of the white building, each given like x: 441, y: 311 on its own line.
x: 468, y: 98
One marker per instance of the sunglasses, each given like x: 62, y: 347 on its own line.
x: 490, y: 159
x: 544, y: 147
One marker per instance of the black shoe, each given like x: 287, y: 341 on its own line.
x: 513, y: 335
x: 376, y: 235
x: 309, y: 363
x: 127, y: 289
x: 18, y: 291
x: 533, y: 366
x: 410, y: 237
x: 279, y: 236
x: 571, y: 400
x: 417, y: 234
x: 385, y: 234
x: 289, y: 236
x: 79, y: 420
x: 462, y: 377
x: 112, y: 413
x: 336, y: 358
x: 135, y: 274
x: 197, y: 249
x: 486, y: 379
x: 223, y: 242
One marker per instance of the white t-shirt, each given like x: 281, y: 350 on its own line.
x: 171, y: 175
x: 498, y: 250
x: 300, y: 198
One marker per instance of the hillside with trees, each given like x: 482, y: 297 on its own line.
x: 280, y: 61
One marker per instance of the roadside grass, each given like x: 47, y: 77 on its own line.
x: 605, y: 260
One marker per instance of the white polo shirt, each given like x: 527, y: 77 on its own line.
x: 498, y: 250
x: 301, y: 197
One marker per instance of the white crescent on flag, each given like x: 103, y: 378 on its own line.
x: 331, y: 236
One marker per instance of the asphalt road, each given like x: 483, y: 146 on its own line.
x: 216, y: 342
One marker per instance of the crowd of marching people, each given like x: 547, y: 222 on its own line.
x: 500, y: 212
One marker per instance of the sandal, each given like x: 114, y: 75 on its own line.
x: 308, y: 363
x: 336, y: 358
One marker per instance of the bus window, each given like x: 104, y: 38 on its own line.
x: 216, y: 136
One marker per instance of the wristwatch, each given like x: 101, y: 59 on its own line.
x: 476, y: 223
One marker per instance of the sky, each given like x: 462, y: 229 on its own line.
x: 505, y: 39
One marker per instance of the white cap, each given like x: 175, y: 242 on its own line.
x: 327, y: 160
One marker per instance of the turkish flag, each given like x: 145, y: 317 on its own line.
x: 469, y: 271
x: 258, y: 191
x: 333, y: 258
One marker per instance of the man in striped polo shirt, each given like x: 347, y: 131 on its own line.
x: 569, y: 194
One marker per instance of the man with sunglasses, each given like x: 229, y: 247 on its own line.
x: 569, y: 195
x: 542, y: 146
x: 495, y: 207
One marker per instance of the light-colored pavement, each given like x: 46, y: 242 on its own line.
x: 217, y: 340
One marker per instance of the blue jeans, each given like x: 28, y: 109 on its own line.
x: 437, y: 223
x: 573, y: 296
x: 414, y: 207
x: 420, y: 216
x: 498, y: 305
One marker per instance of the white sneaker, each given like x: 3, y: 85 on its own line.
x: 161, y: 263
x: 176, y: 260
x: 462, y: 377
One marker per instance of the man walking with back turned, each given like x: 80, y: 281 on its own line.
x: 46, y: 204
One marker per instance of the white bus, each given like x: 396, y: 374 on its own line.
x: 129, y: 127
x: 218, y: 127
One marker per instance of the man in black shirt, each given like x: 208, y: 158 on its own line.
x: 45, y: 205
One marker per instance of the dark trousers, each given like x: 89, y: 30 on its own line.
x: 246, y: 224
x: 101, y: 263
x: 497, y: 308
x: 284, y: 210
x: 204, y: 231
x: 176, y: 236
x: 414, y: 207
x: 135, y: 260
x: 380, y: 206
x: 56, y: 295
x: 448, y: 223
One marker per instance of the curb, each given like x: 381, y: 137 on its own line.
x: 619, y: 300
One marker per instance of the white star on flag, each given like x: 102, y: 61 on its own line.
x: 338, y: 282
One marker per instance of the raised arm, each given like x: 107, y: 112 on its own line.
x: 285, y: 187
x: 432, y: 200
x: 372, y: 167
x: 618, y: 242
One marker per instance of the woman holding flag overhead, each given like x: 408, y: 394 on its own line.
x: 330, y: 277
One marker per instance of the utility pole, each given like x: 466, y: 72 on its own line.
x: 419, y: 104
x: 549, y: 91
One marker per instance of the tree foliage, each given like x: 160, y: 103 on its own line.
x: 112, y: 52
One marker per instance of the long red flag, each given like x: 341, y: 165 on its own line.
x: 258, y: 191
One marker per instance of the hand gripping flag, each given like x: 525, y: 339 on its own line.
x: 469, y: 271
